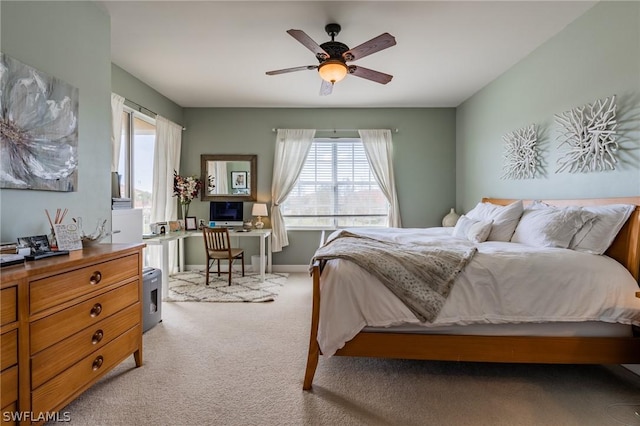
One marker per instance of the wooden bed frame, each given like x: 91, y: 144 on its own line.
x: 516, y: 349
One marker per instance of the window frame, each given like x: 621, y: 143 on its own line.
x: 336, y: 184
x: 128, y: 147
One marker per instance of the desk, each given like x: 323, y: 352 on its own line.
x: 163, y: 242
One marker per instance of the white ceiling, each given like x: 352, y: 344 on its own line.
x: 215, y: 54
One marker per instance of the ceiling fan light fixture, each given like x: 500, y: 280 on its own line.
x: 333, y: 70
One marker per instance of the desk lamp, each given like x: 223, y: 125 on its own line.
x: 259, y: 209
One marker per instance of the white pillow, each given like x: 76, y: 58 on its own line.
x: 596, y: 237
x: 505, y: 218
x: 471, y: 229
x: 550, y: 226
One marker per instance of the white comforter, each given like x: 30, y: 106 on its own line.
x: 503, y: 283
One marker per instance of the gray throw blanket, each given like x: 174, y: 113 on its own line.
x: 420, y: 275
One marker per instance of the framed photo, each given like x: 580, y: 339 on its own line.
x: 37, y: 243
x: 239, y: 180
x: 190, y: 223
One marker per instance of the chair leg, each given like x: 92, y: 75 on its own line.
x: 207, y: 274
x: 218, y: 267
x: 242, y: 258
x: 230, y: 269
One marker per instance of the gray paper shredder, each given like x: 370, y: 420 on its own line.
x: 151, y: 297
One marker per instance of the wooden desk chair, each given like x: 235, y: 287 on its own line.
x: 217, y: 247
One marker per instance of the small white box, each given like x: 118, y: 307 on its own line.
x: 255, y: 263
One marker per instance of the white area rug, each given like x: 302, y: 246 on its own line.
x: 190, y: 286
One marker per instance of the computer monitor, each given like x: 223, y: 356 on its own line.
x: 226, y: 213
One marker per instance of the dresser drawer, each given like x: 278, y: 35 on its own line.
x: 58, y: 357
x: 56, y: 327
x: 9, y: 349
x: 9, y: 386
x: 57, y: 391
x: 51, y: 291
x: 8, y: 305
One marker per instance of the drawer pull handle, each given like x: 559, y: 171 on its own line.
x: 97, y: 363
x: 97, y: 336
x: 95, y: 278
x: 95, y: 311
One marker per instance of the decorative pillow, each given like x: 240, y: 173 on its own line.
x: 505, y: 218
x: 550, y: 226
x: 471, y: 229
x: 537, y: 204
x: 596, y: 237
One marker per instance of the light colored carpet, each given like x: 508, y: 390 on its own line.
x: 243, y: 364
x: 189, y: 286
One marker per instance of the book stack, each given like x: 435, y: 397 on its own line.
x: 121, y: 203
x: 11, y: 259
x: 10, y: 248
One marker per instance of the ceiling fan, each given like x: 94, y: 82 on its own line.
x: 333, y: 57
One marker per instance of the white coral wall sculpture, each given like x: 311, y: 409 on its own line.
x: 521, y: 153
x: 588, y: 137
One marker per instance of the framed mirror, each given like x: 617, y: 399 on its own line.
x: 229, y: 177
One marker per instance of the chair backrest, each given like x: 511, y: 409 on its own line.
x: 216, y: 239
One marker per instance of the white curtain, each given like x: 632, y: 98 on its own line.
x: 164, y: 206
x: 221, y: 182
x: 292, y: 147
x: 378, y: 147
x: 117, y: 106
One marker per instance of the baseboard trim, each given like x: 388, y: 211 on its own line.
x: 236, y: 267
x: 291, y: 268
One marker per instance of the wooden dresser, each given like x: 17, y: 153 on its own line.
x: 66, y: 322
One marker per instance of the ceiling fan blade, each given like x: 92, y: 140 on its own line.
x: 286, y: 70
x: 377, y: 76
x: 326, y: 88
x: 374, y: 45
x: 309, y: 43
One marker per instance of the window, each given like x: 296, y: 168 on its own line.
x: 336, y: 189
x: 136, y: 162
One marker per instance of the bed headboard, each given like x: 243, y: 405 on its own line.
x: 626, y: 247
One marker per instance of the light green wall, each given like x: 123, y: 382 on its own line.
x: 130, y: 87
x: 596, y: 56
x: 424, y: 156
x: 71, y: 41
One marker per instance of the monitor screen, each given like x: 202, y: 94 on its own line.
x: 226, y: 213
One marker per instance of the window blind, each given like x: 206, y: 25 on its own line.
x: 336, y: 188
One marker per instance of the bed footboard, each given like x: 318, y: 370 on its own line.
x: 314, y: 348
x: 511, y: 349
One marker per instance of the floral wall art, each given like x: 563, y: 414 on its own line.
x: 588, y: 137
x: 521, y: 153
x: 38, y: 129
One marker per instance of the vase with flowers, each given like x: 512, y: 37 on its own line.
x: 186, y: 188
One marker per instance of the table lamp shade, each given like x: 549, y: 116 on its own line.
x: 259, y: 209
